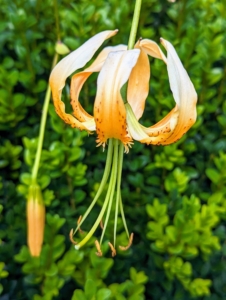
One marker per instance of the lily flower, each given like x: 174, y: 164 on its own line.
x: 116, y: 121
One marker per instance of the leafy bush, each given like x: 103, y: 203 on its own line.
x: 174, y: 196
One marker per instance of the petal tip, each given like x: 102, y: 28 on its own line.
x: 163, y: 42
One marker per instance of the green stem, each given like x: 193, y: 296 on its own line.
x: 42, y: 129
x: 132, y: 39
x: 123, y: 217
x: 56, y: 19
x: 135, y: 21
x: 118, y: 193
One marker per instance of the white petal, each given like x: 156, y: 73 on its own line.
x: 109, y: 109
x: 75, y: 60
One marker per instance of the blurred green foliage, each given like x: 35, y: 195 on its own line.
x: 175, y: 196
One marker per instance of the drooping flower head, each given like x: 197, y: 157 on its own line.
x: 116, y: 120
x: 117, y: 65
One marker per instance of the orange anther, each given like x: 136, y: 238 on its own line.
x: 99, y: 252
x: 113, y: 250
x: 78, y: 222
x: 71, y: 237
x: 124, y: 248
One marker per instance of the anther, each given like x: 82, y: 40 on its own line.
x: 129, y: 244
x: 78, y: 222
x: 71, y: 237
x: 101, y: 224
x: 113, y: 250
x: 99, y: 252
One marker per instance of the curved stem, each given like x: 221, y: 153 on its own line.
x: 42, y: 128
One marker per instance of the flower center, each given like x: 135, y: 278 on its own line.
x: 113, y: 172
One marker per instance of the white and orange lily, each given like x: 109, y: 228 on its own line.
x: 113, y: 119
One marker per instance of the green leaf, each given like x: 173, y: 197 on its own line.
x: 103, y: 294
x: 78, y: 295
x: 52, y: 271
x: 138, y: 277
x: 171, y: 232
x: 90, y: 289
x: 213, y: 175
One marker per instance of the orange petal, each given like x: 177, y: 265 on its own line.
x: 79, y: 79
x: 152, y: 49
x: 173, y: 126
x: 183, y: 91
x: 109, y: 109
x: 75, y: 60
x: 138, y: 85
x: 145, y: 135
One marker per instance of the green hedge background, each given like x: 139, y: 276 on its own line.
x: 174, y: 196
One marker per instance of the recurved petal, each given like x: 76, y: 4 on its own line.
x: 138, y: 85
x: 152, y: 49
x: 79, y: 79
x: 154, y: 136
x: 109, y: 109
x: 175, y: 124
x: 183, y: 92
x: 75, y: 60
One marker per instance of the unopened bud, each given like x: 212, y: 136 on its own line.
x: 61, y: 48
x: 35, y: 220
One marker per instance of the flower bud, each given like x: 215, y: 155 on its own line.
x: 61, y: 48
x: 35, y: 220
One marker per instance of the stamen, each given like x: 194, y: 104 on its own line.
x: 129, y: 244
x: 118, y: 191
x: 71, y: 234
x: 78, y: 222
x: 99, y: 252
x: 123, y: 217
x: 127, y: 147
x: 113, y: 250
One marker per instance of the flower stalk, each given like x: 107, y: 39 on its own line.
x: 134, y: 26
x: 35, y: 203
x: 42, y: 128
